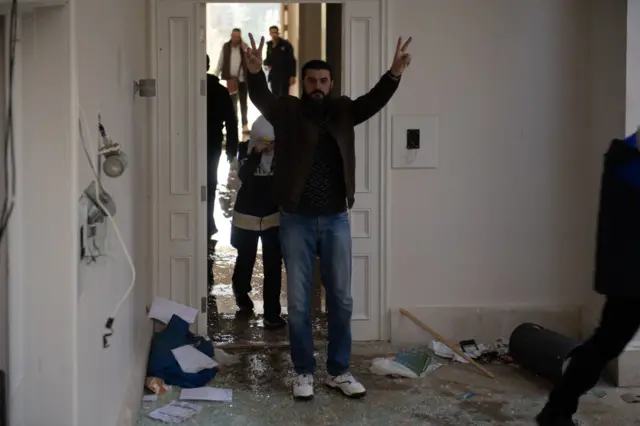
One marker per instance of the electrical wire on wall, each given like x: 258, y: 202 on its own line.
x: 85, y: 133
x: 8, y: 145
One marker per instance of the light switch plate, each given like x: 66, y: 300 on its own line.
x: 426, y: 157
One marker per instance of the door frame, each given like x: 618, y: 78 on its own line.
x: 384, y: 165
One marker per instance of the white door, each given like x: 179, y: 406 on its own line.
x: 361, y: 22
x: 181, y: 100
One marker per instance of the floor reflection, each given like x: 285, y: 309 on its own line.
x: 223, y: 326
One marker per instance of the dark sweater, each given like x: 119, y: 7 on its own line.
x: 324, y: 191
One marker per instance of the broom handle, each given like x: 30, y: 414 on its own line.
x: 441, y: 338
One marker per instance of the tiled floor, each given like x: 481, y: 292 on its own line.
x: 261, y: 396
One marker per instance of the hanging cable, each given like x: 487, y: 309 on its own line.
x: 84, y: 127
x: 8, y: 146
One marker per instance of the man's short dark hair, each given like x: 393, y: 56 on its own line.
x: 236, y: 30
x: 274, y: 27
x: 317, y: 64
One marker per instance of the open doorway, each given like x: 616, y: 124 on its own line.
x: 314, y: 32
x: 179, y: 160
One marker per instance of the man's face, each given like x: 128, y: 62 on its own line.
x: 274, y: 33
x: 236, y: 36
x: 317, y: 83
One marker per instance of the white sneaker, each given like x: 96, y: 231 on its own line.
x: 348, y: 385
x: 303, y: 387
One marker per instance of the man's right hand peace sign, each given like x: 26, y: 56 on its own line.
x: 253, y: 55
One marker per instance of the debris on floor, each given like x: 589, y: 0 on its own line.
x: 156, y: 385
x: 207, y: 394
x: 164, y: 364
x: 631, y: 398
x: 261, y: 393
x: 175, y: 412
x: 598, y: 393
x: 480, y: 352
x: 412, y: 364
x: 163, y: 309
x: 223, y: 358
x: 191, y: 360
x: 467, y: 395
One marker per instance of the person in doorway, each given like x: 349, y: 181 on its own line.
x: 220, y: 114
x: 617, y: 277
x: 314, y: 187
x: 231, y: 68
x: 255, y: 215
x: 281, y: 63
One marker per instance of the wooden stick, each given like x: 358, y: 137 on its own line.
x: 439, y: 336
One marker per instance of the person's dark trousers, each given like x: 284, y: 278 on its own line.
x: 246, y: 242
x: 280, y: 86
x: 618, y: 324
x: 241, y: 96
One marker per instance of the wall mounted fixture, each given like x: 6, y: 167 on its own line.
x: 145, y: 88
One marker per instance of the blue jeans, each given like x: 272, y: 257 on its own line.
x: 301, y: 239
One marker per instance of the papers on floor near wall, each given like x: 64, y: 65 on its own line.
x: 192, y: 360
x: 206, y: 394
x: 443, y: 351
x: 163, y: 309
x: 150, y: 398
x: 175, y: 412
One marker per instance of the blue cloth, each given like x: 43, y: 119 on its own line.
x: 630, y: 172
x: 301, y: 237
x: 163, y: 364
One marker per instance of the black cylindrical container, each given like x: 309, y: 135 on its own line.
x: 540, y: 350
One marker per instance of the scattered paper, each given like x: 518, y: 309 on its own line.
x: 631, y: 398
x: 192, y: 360
x: 175, y: 412
x: 223, y: 358
x: 207, y: 394
x: 163, y: 309
x: 443, y: 351
x: 150, y: 398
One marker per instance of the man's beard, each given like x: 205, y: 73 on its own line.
x: 318, y: 104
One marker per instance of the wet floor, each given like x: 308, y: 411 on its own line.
x: 454, y: 394
x: 223, y: 326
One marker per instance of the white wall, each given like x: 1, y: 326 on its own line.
x: 43, y: 244
x: 112, y: 53
x: 607, y: 107
x: 507, y: 219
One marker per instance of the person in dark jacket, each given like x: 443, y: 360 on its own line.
x: 255, y: 215
x: 617, y: 277
x: 281, y: 63
x: 230, y: 68
x: 315, y: 187
x: 220, y: 114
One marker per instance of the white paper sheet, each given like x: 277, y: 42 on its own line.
x: 150, y: 398
x: 207, y: 394
x: 192, y: 360
x: 175, y: 412
x: 163, y: 309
